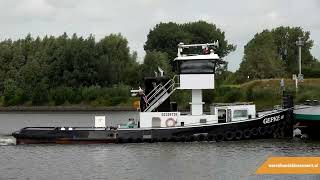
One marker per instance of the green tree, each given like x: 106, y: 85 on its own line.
x: 274, y: 54
x: 261, y: 59
x: 153, y: 60
x: 165, y: 37
x: 114, y: 60
x: 12, y: 94
x: 285, y: 41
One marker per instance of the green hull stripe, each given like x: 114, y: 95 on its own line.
x: 307, y: 117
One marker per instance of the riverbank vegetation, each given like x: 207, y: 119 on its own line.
x: 266, y: 93
x: 83, y: 71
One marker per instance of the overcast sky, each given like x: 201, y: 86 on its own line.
x: 240, y: 19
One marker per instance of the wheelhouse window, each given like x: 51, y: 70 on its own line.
x: 243, y: 113
x: 196, y: 67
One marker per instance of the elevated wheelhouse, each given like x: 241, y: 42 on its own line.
x: 194, y: 72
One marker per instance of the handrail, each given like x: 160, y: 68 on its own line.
x: 160, y: 92
x: 153, y: 89
x: 156, y: 100
x: 157, y: 92
x: 164, y: 87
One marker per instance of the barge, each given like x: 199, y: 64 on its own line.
x: 307, y: 120
x: 160, y: 121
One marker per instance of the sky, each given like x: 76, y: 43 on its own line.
x: 239, y: 19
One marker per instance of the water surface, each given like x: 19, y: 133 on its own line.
x: 163, y: 161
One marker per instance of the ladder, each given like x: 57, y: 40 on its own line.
x: 160, y: 93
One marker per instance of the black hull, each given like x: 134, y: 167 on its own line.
x: 275, y: 125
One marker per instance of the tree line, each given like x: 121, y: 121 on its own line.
x: 76, y: 70
x: 65, y: 69
x: 274, y: 54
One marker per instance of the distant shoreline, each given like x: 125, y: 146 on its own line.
x: 62, y: 108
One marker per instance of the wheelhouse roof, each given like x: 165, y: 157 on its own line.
x: 198, y: 57
x: 232, y: 104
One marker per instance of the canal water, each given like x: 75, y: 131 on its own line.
x: 154, y: 161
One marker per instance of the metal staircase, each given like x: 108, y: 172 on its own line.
x: 160, y: 93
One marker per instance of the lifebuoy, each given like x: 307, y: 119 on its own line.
x: 170, y: 122
x: 238, y: 134
x: 247, y: 134
x: 228, y: 135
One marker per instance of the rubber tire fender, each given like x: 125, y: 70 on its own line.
x: 228, y: 135
x: 238, y: 134
x: 210, y: 137
x: 254, y: 132
x: 262, y: 131
x: 219, y: 137
x: 201, y: 137
x: 182, y: 139
x: 247, y: 134
x: 269, y: 130
x: 191, y: 139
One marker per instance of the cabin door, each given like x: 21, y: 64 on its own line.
x: 156, y: 122
x: 222, y: 115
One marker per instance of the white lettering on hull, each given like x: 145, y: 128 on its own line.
x: 169, y: 114
x: 273, y: 119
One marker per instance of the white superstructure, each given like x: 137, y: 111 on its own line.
x: 195, y: 73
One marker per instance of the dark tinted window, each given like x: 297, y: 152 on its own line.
x: 196, y: 66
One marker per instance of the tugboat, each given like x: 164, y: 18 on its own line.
x: 159, y: 121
